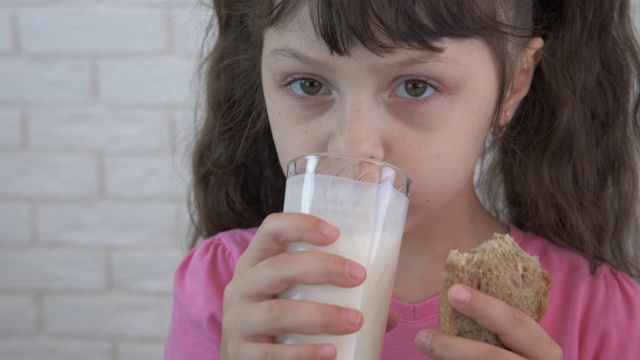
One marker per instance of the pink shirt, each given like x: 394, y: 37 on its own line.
x: 590, y: 316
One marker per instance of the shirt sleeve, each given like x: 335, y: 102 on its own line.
x: 196, y: 322
x: 612, y: 330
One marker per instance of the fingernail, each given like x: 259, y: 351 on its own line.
x: 326, y: 352
x: 351, y: 317
x: 355, y: 270
x: 459, y: 294
x: 423, y: 339
x: 329, y: 230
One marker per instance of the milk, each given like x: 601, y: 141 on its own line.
x: 370, y: 217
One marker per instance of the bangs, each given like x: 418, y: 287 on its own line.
x: 382, y: 25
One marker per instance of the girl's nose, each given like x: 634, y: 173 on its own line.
x: 357, y: 129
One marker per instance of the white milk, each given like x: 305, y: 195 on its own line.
x: 371, y: 221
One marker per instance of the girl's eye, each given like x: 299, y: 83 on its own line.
x: 416, y: 89
x: 308, y: 87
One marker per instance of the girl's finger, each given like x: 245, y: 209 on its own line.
x: 281, y: 316
x: 440, y: 346
x: 279, y: 229
x: 518, y: 331
x: 277, y: 273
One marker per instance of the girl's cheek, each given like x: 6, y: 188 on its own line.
x: 418, y: 115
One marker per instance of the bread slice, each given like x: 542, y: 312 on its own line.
x: 499, y: 268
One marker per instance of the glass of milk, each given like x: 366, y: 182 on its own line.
x: 367, y: 200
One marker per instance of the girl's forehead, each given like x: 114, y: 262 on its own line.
x: 378, y: 25
x: 296, y: 38
x: 285, y: 49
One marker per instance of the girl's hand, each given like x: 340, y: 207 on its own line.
x: 519, y: 332
x: 252, y: 315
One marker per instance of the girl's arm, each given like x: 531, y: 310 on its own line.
x: 199, y: 282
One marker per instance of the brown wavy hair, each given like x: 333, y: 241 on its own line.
x: 565, y: 167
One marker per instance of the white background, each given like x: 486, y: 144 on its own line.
x: 96, y: 108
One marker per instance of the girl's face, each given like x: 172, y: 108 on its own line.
x: 427, y: 113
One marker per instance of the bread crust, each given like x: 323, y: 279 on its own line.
x: 499, y: 268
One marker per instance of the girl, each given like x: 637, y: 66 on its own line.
x: 543, y: 92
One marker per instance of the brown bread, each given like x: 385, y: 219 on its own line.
x: 499, y: 268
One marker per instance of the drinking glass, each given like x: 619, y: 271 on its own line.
x: 367, y: 200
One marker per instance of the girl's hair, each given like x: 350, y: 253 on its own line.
x: 565, y: 167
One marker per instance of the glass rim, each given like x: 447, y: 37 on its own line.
x: 354, y: 157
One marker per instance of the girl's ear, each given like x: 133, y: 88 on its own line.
x: 521, y: 81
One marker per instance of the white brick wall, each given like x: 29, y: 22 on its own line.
x: 115, y: 316
x: 87, y: 31
x: 18, y: 314
x: 103, y: 130
x: 14, y: 224
x: 10, y: 128
x: 35, y: 270
x: 41, y: 175
x: 145, y: 82
x: 28, y: 81
x: 55, y: 349
x: 96, y: 100
x: 149, y: 226
x: 5, y: 33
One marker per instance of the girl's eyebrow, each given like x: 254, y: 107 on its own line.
x: 291, y: 54
x: 424, y: 57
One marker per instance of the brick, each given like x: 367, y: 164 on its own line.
x: 162, y: 3
x: 146, y: 82
x: 184, y: 227
x: 110, y: 316
x: 137, y: 351
x: 6, y: 42
x: 14, y: 224
x: 40, y: 269
x: 19, y: 349
x: 107, y: 131
x: 18, y: 314
x: 44, y: 81
x: 189, y: 27
x: 107, y: 225
x: 145, y: 177
x: 144, y: 271
x: 49, y: 2
x: 184, y: 134
x: 92, y: 32
x: 50, y: 176
x: 10, y: 129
